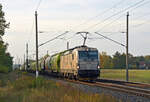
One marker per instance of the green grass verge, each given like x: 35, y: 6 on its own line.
x: 23, y: 88
x: 120, y: 74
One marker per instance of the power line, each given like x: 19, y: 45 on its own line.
x: 115, y: 14
x: 38, y: 5
x: 111, y: 22
x: 111, y: 33
x: 100, y: 14
x: 141, y: 5
x: 110, y: 39
x: 131, y: 10
x: 53, y: 38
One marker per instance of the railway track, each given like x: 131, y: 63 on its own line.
x: 116, y: 87
x: 131, y: 84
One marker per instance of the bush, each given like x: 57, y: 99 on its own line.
x: 4, y: 69
x: 38, y: 82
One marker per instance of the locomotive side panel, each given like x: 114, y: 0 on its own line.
x: 68, y: 63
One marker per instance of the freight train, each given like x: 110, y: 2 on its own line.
x: 80, y: 62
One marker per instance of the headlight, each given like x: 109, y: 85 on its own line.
x: 77, y: 67
x: 98, y: 67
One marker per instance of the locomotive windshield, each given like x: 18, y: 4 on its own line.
x: 88, y: 54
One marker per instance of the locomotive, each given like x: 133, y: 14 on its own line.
x: 80, y: 62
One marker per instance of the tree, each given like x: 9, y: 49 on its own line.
x: 116, y: 60
x: 119, y: 60
x: 147, y: 58
x: 5, y: 58
x: 105, y: 60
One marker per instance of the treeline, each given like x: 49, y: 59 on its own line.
x: 5, y: 58
x: 118, y: 61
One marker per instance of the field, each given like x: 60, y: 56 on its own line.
x: 134, y: 75
x: 18, y: 87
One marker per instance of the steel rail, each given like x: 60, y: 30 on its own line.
x: 120, y: 88
x: 120, y: 82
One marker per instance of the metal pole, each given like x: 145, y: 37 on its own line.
x: 127, y: 39
x: 27, y: 56
x: 24, y: 62
x: 67, y: 45
x: 36, y: 30
x: 47, y: 52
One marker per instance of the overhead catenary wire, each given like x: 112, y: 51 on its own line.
x: 53, y: 39
x: 41, y: 0
x: 115, y: 14
x: 140, y: 24
x: 100, y: 14
x: 38, y: 5
x: 130, y: 10
x: 110, y: 39
x: 147, y: 2
x: 141, y: 16
x: 95, y: 16
x: 121, y: 16
x: 111, y: 22
x: 97, y: 38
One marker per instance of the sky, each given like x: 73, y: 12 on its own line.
x: 108, y: 17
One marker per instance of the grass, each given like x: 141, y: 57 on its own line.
x: 22, y: 88
x: 120, y: 74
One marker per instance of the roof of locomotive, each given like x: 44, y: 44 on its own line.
x: 85, y: 48
x: 75, y: 48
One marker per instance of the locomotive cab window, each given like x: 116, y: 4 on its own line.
x: 88, y: 54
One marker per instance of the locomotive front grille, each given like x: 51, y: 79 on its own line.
x: 88, y: 73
